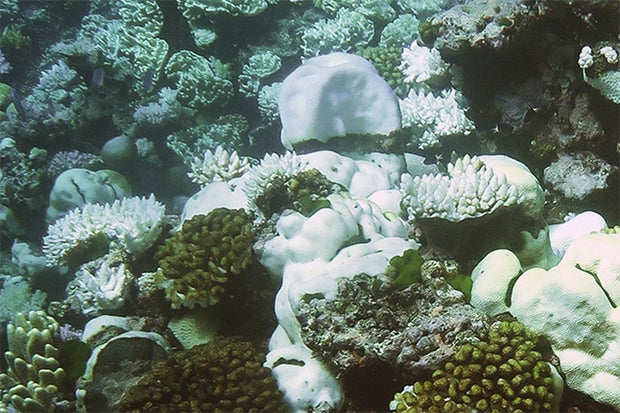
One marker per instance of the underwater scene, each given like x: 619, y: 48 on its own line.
x: 309, y: 206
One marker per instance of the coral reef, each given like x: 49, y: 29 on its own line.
x: 131, y: 224
x: 218, y: 165
x: 226, y: 374
x: 209, y: 252
x: 503, y: 372
x: 371, y: 333
x: 34, y: 377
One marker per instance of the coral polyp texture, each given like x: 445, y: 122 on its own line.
x: 133, y: 224
x: 219, y: 165
x: 197, y: 262
x: 224, y: 375
x: 503, y: 373
x: 34, y: 376
x: 469, y: 189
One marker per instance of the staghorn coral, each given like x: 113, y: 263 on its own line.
x: 132, y: 224
x: 218, y: 165
x: 34, y: 375
x: 197, y: 262
x: 224, y: 375
x: 504, y: 372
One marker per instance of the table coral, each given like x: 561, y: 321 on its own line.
x: 197, y: 262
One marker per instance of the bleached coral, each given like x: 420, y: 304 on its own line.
x: 100, y: 285
x: 470, y: 189
x: 419, y: 63
x: 217, y: 166
x: 133, y: 224
x: 272, y: 166
x: 434, y: 116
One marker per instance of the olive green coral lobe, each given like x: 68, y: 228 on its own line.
x: 502, y: 374
x: 197, y: 262
x: 224, y: 375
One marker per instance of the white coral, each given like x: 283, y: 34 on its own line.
x: 217, y: 166
x: 470, y: 189
x: 100, y: 285
x: 133, y: 223
x: 439, y: 116
x: 272, y: 166
x: 586, y: 59
x: 419, y: 63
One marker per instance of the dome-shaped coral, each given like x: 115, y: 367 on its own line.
x: 505, y: 373
x: 196, y: 263
x: 224, y: 375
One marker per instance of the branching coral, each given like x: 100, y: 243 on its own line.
x: 34, y: 374
x: 133, y: 224
x: 197, y: 262
x: 470, y: 189
x: 505, y: 372
x: 202, y: 83
x: 601, y: 69
x: 218, y: 165
x: 433, y: 117
x: 226, y: 374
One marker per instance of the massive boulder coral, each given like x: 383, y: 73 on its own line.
x: 34, y: 376
x: 335, y: 95
x: 197, y: 263
x: 572, y: 304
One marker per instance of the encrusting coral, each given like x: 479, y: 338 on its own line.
x: 224, y: 375
x: 503, y: 373
x: 34, y: 374
x: 197, y: 262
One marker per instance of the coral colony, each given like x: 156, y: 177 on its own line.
x: 309, y: 206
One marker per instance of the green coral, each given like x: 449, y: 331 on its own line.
x: 258, y: 67
x: 197, y: 263
x: 504, y: 373
x: 405, y: 269
x: 304, y: 192
x: 202, y: 83
x: 224, y: 375
x: 348, y: 30
x: 34, y: 375
x: 387, y: 61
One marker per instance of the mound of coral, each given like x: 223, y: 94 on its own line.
x: 505, y: 372
x: 224, y: 375
x: 197, y: 262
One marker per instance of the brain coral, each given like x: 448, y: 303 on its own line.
x: 197, y: 262
x: 224, y: 375
x: 504, y: 373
